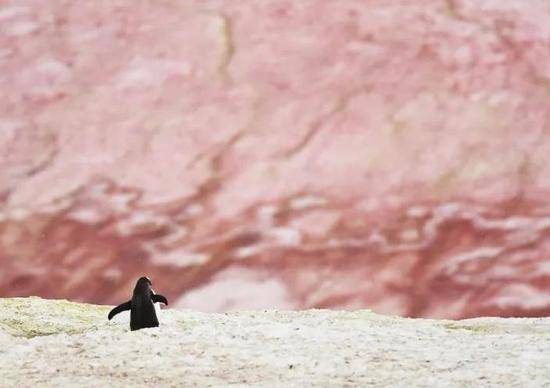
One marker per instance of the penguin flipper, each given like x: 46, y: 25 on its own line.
x: 159, y: 298
x: 120, y: 308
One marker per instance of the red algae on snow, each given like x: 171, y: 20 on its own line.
x: 351, y: 154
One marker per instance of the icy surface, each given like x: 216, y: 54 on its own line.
x: 58, y: 343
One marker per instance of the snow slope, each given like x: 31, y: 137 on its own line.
x: 59, y: 343
x: 391, y: 155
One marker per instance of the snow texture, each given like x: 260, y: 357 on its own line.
x: 51, y: 343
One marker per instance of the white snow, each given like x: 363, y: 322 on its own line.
x: 307, y: 201
x: 57, y: 343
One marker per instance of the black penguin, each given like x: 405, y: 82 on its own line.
x: 142, y: 309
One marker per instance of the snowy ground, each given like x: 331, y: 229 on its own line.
x: 57, y: 343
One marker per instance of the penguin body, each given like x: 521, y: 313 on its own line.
x: 141, y: 306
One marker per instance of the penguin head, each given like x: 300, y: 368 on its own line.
x: 145, y: 280
x: 143, y: 284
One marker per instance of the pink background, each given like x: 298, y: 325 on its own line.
x: 379, y: 154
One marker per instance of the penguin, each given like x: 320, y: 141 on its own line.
x: 142, y: 308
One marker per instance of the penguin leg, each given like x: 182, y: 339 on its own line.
x: 120, y: 308
x: 159, y: 298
